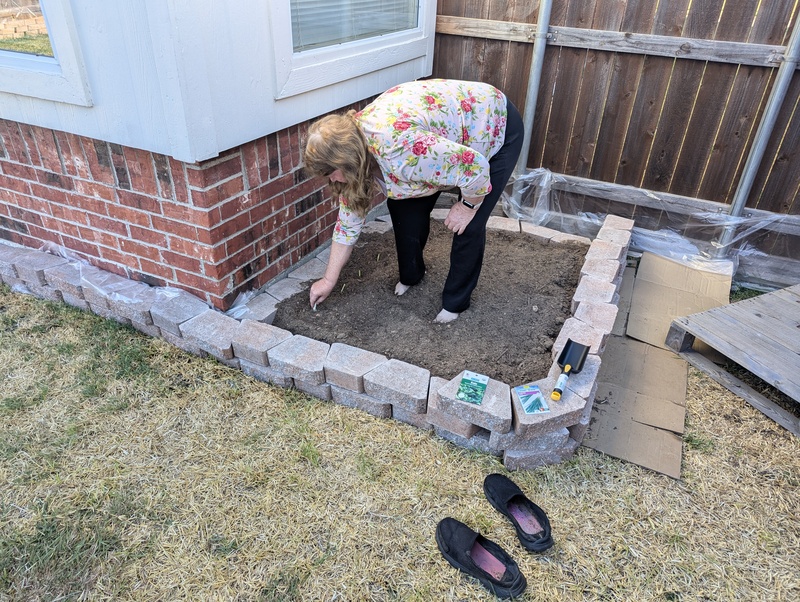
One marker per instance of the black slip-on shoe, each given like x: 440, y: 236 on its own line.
x: 530, y: 521
x: 479, y: 557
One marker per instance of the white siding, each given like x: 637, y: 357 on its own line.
x: 188, y: 78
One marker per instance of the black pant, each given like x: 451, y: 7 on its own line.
x: 411, y: 224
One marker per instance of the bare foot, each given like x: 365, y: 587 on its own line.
x: 445, y: 316
x: 401, y: 289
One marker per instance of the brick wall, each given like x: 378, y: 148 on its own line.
x: 214, y: 228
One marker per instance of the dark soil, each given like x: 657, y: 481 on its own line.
x: 517, y: 310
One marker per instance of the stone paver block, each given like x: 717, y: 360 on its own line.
x: 539, y: 233
x: 150, y: 330
x: 104, y: 312
x: 253, y: 339
x: 503, y: 223
x: 583, y: 384
x: 361, y: 401
x: 563, y: 413
x: 528, y: 460
x: 543, y: 443
x: 413, y: 418
x: 378, y: 226
x: 594, y: 290
x: 265, y: 374
x: 603, y: 249
x: 618, y: 222
x: 261, y: 308
x: 494, y: 412
x: 600, y: 316
x: 313, y: 269
x: 283, y: 289
x: 400, y: 384
x: 9, y: 255
x: 301, y: 358
x: 324, y: 255
x: 30, y: 267
x: 620, y: 237
x: 133, y: 300
x: 322, y: 391
x: 174, y: 307
x: 98, y: 285
x: 346, y: 366
x: 578, y: 431
x: 440, y: 214
x: 48, y: 293
x: 443, y: 420
x: 479, y: 441
x: 603, y: 269
x: 570, y: 239
x: 582, y: 333
x: 74, y: 301
x: 213, y: 332
x: 187, y: 345
x: 66, y: 278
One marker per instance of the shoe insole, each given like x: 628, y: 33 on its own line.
x: 484, y: 559
x: 525, y: 518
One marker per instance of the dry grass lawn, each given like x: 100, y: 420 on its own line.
x: 133, y: 471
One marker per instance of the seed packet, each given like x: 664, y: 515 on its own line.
x: 531, y: 399
x: 472, y: 387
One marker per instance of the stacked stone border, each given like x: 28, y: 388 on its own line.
x: 374, y: 383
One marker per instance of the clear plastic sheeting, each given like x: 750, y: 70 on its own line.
x: 671, y: 227
x: 239, y: 309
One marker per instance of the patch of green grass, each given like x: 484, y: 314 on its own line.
x: 310, y: 453
x: 698, y: 443
x: 221, y: 546
x: 286, y: 588
x: 23, y: 401
x: 740, y: 293
x: 37, y: 44
x: 367, y: 466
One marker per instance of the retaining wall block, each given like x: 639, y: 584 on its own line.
x: 66, y: 277
x: 261, y: 308
x: 582, y: 384
x: 265, y: 374
x: 133, y: 301
x: 254, y: 339
x: 30, y: 267
x: 617, y: 222
x: 9, y: 255
x: 378, y: 226
x: 494, y: 412
x: 563, y: 413
x: 74, y: 301
x: 172, y: 309
x: 603, y: 249
x: 528, y: 460
x: 301, y: 358
x: 283, y: 289
x: 578, y: 431
x: 600, y: 316
x: 213, y: 332
x: 400, y: 384
x: 440, y: 214
x: 322, y: 391
x: 98, y: 285
x: 620, y: 237
x: 582, y: 333
x: 361, y: 401
x: 345, y: 366
x: 479, y: 441
x: 48, y: 293
x: 595, y: 290
x: 419, y: 421
x: 437, y: 417
x: 314, y: 269
x: 149, y: 329
x: 503, y: 223
x: 543, y: 443
x: 604, y: 269
x: 539, y: 233
x: 104, y: 312
x: 570, y: 239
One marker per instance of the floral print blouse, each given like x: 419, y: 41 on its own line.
x: 430, y: 135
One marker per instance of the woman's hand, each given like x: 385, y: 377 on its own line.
x: 320, y: 291
x: 460, y: 215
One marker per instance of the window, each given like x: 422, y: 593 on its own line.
x: 323, y: 42
x: 46, y: 63
x: 317, y: 23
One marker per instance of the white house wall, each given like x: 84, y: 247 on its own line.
x: 186, y: 78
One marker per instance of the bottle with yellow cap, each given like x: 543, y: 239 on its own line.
x: 570, y: 361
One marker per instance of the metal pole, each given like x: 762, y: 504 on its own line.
x: 534, y: 77
x: 763, y: 134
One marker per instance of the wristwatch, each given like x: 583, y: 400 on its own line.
x: 468, y: 204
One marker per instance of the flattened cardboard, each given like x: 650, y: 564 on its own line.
x: 625, y: 298
x: 639, y: 409
x: 665, y: 289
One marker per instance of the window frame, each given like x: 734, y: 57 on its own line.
x: 299, y: 72
x: 61, y: 77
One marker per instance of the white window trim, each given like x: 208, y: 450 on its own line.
x: 61, y: 78
x: 299, y: 72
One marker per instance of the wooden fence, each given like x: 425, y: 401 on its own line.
x: 660, y: 94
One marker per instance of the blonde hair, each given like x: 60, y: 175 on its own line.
x: 336, y: 142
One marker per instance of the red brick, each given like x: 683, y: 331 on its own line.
x: 132, y: 247
x: 149, y: 236
x: 186, y: 213
x: 115, y: 256
x: 237, y: 224
x: 15, y: 184
x: 298, y: 135
x: 60, y: 226
x: 50, y: 178
x: 157, y: 268
x: 91, y: 204
x: 285, y: 151
x: 25, y: 215
x: 51, y: 194
x: 179, y: 183
x: 99, y: 156
x: 198, y: 282
x: 216, y: 194
x: 139, y: 201
x: 131, y: 216
x: 251, y: 164
x: 71, y: 152
x: 180, y: 229
x: 206, y: 176
x: 68, y: 214
x: 12, y: 140
x: 31, y: 203
x: 95, y: 189
x: 80, y: 245
x: 23, y: 172
x: 108, y: 225
x: 163, y: 176
x: 99, y: 237
x: 30, y: 144
x: 232, y: 208
x: 182, y: 262
x: 192, y: 249
x: 141, y: 171
x: 120, y: 168
x: 273, y: 156
x: 46, y: 142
